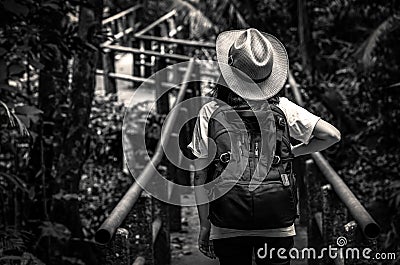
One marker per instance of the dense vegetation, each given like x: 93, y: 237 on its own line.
x: 60, y: 146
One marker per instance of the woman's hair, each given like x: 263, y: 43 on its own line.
x: 226, y: 95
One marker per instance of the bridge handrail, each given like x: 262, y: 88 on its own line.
x: 367, y: 224
x: 157, y: 22
x: 124, y: 206
x: 200, y: 44
x: 145, y: 52
x: 121, y: 14
x: 295, y: 89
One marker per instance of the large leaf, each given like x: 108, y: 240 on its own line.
x: 16, y: 69
x: 27, y: 110
x: 199, y: 22
x: 236, y: 16
x: 367, y: 48
x: 55, y: 230
x: 8, y: 113
x: 11, y: 258
x: 2, y: 51
x: 23, y: 130
x: 19, y: 183
x: 30, y: 259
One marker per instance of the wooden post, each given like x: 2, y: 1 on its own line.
x: 131, y: 19
x: 182, y: 176
x: 163, y: 31
x: 312, y: 186
x: 162, y: 254
x: 141, y: 61
x: 125, y: 25
x: 196, y: 90
x: 110, y: 86
x: 175, y: 215
x: 131, y: 41
x: 350, y: 233
x: 304, y: 36
x: 135, y: 63
x: 334, y: 219
x: 175, y: 211
x: 339, y: 216
x: 117, y: 251
x: 161, y: 94
x: 363, y: 243
x: 147, y: 59
x: 175, y: 174
x: 327, y: 229
x: 372, y: 244
x: 114, y: 27
x: 355, y: 239
x: 299, y: 170
x: 139, y: 224
x: 161, y: 243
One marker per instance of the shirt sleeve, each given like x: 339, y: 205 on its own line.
x: 199, y: 144
x: 301, y: 121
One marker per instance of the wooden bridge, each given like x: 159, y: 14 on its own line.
x: 138, y: 229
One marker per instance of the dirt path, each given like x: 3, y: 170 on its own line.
x: 184, y: 244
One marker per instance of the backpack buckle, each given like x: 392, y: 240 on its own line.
x: 285, y: 180
x: 225, y: 157
x: 281, y: 122
x: 276, y: 160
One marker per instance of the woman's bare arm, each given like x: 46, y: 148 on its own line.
x: 201, y: 196
x: 325, y: 135
x: 205, y: 245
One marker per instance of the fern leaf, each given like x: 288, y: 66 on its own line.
x: 8, y: 113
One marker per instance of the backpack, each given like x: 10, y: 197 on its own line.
x: 262, y: 192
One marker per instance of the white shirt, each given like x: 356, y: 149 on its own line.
x: 301, y: 125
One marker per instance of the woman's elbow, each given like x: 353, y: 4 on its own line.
x: 326, y: 131
x: 335, y: 135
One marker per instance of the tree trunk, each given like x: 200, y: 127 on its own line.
x: 77, y: 136
x: 304, y: 37
x: 53, y: 93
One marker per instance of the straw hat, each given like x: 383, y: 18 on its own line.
x: 253, y: 64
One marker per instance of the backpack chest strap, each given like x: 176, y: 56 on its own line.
x: 279, y: 136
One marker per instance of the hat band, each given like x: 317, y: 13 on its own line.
x: 247, y: 78
x: 261, y: 79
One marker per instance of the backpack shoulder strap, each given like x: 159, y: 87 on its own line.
x: 214, y: 119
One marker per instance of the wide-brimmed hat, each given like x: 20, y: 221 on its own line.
x: 253, y: 64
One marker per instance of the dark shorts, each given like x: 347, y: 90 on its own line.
x: 239, y: 250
